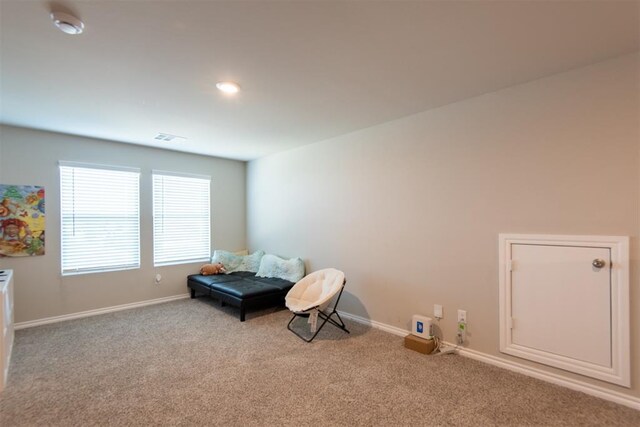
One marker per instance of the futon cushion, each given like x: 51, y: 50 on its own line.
x: 245, y: 288
x: 218, y: 278
x: 281, y: 284
x: 242, y: 284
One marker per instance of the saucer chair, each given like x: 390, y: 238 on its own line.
x: 311, y: 296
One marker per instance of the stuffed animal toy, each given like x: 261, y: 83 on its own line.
x: 210, y: 269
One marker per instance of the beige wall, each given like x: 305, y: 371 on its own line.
x: 31, y: 157
x: 411, y: 209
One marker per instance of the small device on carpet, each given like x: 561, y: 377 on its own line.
x: 421, y: 326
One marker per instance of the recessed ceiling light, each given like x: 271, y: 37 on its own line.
x: 67, y: 23
x: 228, y: 87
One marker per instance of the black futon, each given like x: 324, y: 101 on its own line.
x: 241, y: 289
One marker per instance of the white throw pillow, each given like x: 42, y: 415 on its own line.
x: 233, y: 262
x: 250, y: 262
x: 228, y: 259
x: 287, y: 269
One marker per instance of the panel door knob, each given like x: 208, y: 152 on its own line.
x: 599, y: 263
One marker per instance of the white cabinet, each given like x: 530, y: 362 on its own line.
x: 564, y: 302
x: 6, y: 323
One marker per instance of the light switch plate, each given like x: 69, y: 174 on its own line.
x: 437, y: 311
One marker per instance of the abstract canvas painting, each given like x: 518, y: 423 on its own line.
x: 22, y: 220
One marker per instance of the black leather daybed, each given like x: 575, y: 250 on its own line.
x: 241, y: 289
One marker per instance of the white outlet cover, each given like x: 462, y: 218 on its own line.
x: 462, y: 316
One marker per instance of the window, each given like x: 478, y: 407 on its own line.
x: 100, y: 218
x: 181, y: 219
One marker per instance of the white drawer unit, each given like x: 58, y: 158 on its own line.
x: 6, y: 323
x: 564, y: 302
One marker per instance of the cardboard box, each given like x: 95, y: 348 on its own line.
x: 418, y: 344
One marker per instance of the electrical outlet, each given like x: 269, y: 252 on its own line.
x: 437, y: 311
x: 158, y: 279
x: 462, y: 316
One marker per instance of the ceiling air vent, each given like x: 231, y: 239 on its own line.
x: 167, y: 137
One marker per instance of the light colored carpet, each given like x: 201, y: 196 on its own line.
x: 190, y: 362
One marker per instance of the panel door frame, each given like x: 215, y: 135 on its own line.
x: 620, y: 370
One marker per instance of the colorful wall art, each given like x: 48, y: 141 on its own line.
x: 21, y: 220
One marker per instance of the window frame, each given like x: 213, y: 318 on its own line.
x: 207, y: 258
x: 104, y: 167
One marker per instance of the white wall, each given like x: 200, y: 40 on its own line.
x: 31, y: 157
x: 411, y: 209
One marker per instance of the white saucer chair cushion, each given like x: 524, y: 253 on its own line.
x: 315, y: 290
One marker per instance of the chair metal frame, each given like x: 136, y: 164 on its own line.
x: 326, y: 317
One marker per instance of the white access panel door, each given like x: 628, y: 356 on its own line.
x: 560, y: 302
x: 564, y: 302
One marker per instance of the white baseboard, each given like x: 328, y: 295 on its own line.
x: 551, y: 377
x: 378, y: 325
x: 96, y: 312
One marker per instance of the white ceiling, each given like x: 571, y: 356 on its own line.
x: 309, y: 70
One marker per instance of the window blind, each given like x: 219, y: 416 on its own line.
x: 100, y: 218
x: 181, y: 218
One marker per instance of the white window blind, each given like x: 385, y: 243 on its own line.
x: 100, y: 218
x: 181, y: 218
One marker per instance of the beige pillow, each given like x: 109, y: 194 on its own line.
x: 242, y: 253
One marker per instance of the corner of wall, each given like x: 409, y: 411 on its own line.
x: 1, y: 158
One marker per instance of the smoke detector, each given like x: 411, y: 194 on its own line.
x: 67, y: 23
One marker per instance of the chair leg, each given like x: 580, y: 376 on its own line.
x: 289, y: 328
x: 302, y: 336
x: 326, y: 318
x: 193, y: 293
x: 341, y: 321
x: 340, y: 325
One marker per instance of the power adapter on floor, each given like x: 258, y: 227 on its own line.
x: 446, y: 349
